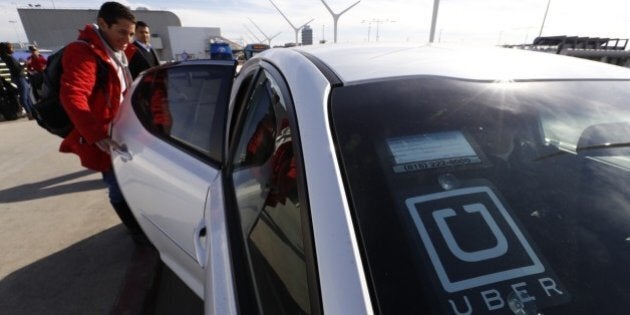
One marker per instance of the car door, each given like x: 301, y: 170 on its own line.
x: 265, y: 205
x: 170, y: 129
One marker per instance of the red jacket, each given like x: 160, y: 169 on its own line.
x: 35, y: 63
x: 90, y: 109
x: 130, y: 51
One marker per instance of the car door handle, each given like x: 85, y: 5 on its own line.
x: 123, y: 152
x: 199, y: 240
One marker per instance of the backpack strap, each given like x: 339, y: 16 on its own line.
x: 101, y: 74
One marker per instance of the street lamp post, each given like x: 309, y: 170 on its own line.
x: 323, y: 34
x: 377, y: 22
x: 369, y: 28
x: 436, y: 5
x: 544, y: 18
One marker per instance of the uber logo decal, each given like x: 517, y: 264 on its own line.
x: 471, y: 239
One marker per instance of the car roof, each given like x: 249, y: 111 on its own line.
x: 366, y: 62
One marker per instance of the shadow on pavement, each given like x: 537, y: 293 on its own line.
x: 51, y: 187
x: 82, y: 279
x: 172, y: 296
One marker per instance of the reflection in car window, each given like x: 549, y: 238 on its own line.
x: 179, y: 103
x: 265, y: 180
x: 494, y: 197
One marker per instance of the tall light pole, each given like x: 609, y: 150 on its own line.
x: 296, y: 29
x: 337, y: 15
x: 323, y: 34
x: 377, y: 22
x: 544, y: 18
x: 369, y: 28
x: 436, y: 5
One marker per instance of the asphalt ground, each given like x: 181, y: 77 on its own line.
x: 62, y: 247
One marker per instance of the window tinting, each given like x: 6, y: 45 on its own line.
x: 265, y: 180
x: 180, y: 103
x: 490, y: 197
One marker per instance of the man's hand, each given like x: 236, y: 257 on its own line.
x: 107, y: 144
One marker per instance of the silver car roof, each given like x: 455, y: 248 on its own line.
x: 355, y: 63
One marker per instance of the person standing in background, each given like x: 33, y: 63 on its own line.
x: 35, y: 65
x: 141, y: 54
x: 18, y: 77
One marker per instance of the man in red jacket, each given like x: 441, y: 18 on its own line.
x: 94, y: 80
x: 35, y: 65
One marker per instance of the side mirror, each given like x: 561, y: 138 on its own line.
x: 608, y: 139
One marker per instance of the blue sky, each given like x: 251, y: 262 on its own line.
x: 487, y: 22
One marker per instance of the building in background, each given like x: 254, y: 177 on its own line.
x: 191, y: 42
x: 307, y: 35
x: 54, y: 28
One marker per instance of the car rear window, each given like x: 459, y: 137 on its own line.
x: 489, y: 197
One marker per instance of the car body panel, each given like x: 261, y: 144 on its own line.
x: 357, y: 63
x: 219, y: 291
x: 175, y: 194
x: 177, y: 216
x: 343, y: 285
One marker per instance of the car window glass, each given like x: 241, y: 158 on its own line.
x: 258, y: 128
x: 179, y: 103
x: 500, y: 197
x: 141, y: 101
x: 265, y: 185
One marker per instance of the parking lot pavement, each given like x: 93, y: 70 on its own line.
x: 62, y: 248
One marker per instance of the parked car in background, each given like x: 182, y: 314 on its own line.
x: 387, y: 179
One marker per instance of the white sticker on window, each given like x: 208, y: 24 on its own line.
x: 480, y: 256
x: 431, y: 150
x: 439, y: 207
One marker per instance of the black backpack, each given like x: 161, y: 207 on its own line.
x: 9, y: 104
x: 49, y: 112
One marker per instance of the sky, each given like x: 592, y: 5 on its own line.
x: 483, y: 22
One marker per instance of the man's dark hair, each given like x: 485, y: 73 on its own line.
x: 141, y: 24
x: 112, y: 12
x: 4, y: 47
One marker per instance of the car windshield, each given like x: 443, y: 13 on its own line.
x: 479, y: 197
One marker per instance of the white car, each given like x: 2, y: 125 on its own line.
x: 386, y: 179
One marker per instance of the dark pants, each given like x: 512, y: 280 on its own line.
x: 117, y: 200
x: 36, y: 79
x: 25, y: 92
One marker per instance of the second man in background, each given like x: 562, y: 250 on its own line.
x: 141, y: 54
